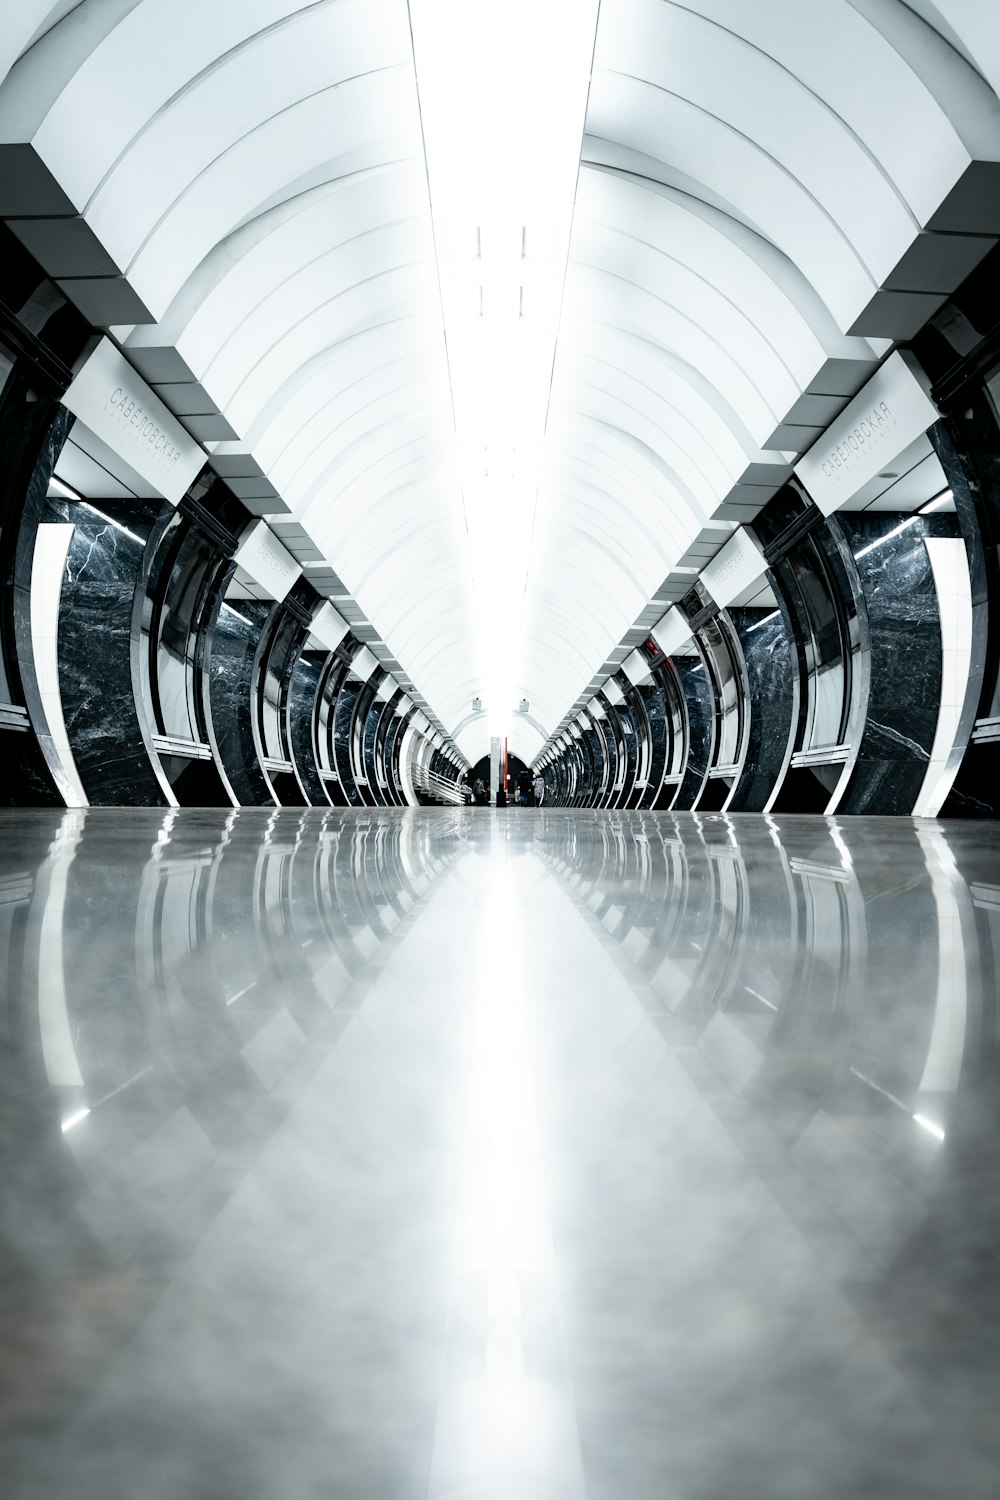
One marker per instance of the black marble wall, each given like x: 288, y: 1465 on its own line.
x: 365, y: 724
x: 369, y: 746
x: 32, y: 434
x: 769, y: 664
x: 904, y: 661
x: 699, y: 712
x: 110, y: 738
x: 303, y: 689
x: 326, y: 707
x: 655, y: 709
x: 343, y: 725
x: 232, y: 684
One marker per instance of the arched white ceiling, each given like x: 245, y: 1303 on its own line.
x: 769, y: 194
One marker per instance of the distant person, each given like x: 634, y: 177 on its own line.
x: 538, y: 787
x: 479, y: 795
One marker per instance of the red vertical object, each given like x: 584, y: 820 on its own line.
x: 506, y: 767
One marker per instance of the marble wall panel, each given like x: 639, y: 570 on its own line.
x: 769, y: 662
x: 303, y: 688
x: 890, y: 760
x: 369, y: 748
x: 233, y: 669
x: 700, y: 713
x: 655, y: 707
x: 343, y: 722
x: 107, y: 728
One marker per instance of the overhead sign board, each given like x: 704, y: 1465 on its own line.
x: 329, y: 627
x: 364, y: 664
x: 636, y: 668
x: 734, y: 567
x: 671, y: 632
x: 120, y: 409
x: 269, y: 563
x: 890, y: 413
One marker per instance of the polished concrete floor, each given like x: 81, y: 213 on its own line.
x: 471, y: 1154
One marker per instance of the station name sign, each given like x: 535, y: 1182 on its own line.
x: 120, y: 409
x: 890, y: 413
x: 736, y: 565
x: 270, y: 564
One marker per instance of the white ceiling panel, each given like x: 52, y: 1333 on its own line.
x: 495, y: 370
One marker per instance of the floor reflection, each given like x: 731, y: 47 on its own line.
x: 442, y: 1154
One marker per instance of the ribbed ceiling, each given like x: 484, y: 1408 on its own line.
x: 769, y: 195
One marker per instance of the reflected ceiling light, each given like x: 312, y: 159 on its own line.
x: 67, y: 1124
x: 938, y: 503
x: 842, y: 849
x: 928, y: 1125
x: 63, y: 489
x: 503, y: 96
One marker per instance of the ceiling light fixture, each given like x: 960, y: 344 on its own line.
x: 503, y: 96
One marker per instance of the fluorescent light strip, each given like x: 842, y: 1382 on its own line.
x: 116, y: 524
x: 881, y: 541
x: 63, y: 489
x: 71, y: 494
x: 68, y: 1124
x: 766, y: 621
x: 236, y: 612
x: 945, y: 498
